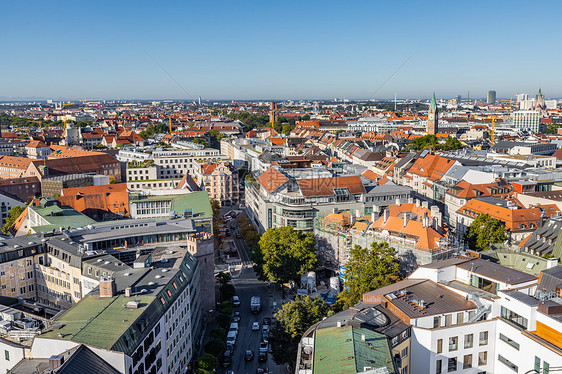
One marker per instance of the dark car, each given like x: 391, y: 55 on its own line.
x: 238, y: 236
x: 267, y: 321
x: 236, y: 317
x: 227, y: 358
x: 262, y: 356
x: 249, y: 355
x: 261, y: 371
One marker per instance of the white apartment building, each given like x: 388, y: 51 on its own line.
x: 469, y: 315
x: 527, y: 119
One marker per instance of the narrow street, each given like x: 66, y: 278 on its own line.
x: 247, y: 285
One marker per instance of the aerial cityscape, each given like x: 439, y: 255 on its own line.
x: 307, y: 188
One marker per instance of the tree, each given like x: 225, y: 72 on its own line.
x: 285, y: 254
x: 368, y: 269
x: 208, y: 362
x: 223, y: 320
x: 292, y: 321
x: 215, y: 347
x: 112, y: 179
x: 227, y: 291
x: 223, y: 278
x: 485, y: 230
x: 218, y: 333
x: 15, y: 212
x: 201, y: 141
x: 432, y: 142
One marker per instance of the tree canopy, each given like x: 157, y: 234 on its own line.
x: 292, y: 321
x: 485, y: 230
x: 368, y: 269
x: 433, y: 143
x: 284, y: 254
x: 15, y: 212
x: 160, y: 128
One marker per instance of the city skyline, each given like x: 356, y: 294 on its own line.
x: 255, y: 50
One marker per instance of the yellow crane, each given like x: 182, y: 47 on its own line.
x: 493, y: 132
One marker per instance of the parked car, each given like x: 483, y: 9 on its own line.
x: 265, y: 328
x: 267, y: 321
x: 255, y: 326
x: 236, y: 317
x: 262, y: 356
x: 265, y: 337
x: 227, y: 358
x: 238, y: 236
x: 235, y: 301
x: 264, y: 346
x: 249, y: 355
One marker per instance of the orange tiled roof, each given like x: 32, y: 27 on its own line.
x: 94, y: 200
x: 272, y: 179
x: 431, y: 166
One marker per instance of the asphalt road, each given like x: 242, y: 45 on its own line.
x: 247, y: 285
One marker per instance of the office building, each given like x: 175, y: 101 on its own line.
x: 491, y: 98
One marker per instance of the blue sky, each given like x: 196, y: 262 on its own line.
x: 276, y: 50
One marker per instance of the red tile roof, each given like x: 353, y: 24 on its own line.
x: 325, y: 186
x: 272, y: 179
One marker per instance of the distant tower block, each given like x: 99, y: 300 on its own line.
x: 273, y: 112
x: 433, y: 117
x: 491, y: 99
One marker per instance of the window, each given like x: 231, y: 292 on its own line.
x: 439, y: 345
x: 452, y: 364
x: 460, y: 318
x: 404, y: 353
x: 508, y: 363
x: 467, y: 362
x: 514, y: 318
x: 482, y: 358
x: 435, y: 322
x: 453, y: 343
x: 545, y: 367
x: 438, y: 367
x: 537, y: 364
x: 468, y: 340
x: 483, y: 337
x: 509, y: 341
x: 404, y: 370
x: 7, y: 355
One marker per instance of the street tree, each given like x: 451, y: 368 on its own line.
x: 285, y: 254
x: 368, y: 269
x: 292, y: 321
x: 484, y: 231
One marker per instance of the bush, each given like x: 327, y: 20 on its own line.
x: 218, y: 333
x: 215, y: 347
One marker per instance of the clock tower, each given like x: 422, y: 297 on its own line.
x: 433, y: 117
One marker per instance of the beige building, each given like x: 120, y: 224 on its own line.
x: 220, y: 180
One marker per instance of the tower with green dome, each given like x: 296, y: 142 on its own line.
x: 433, y: 117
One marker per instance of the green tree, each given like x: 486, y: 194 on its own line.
x: 112, y: 179
x: 368, y: 269
x: 208, y: 362
x: 215, y: 347
x: 223, y: 320
x: 292, y: 321
x: 227, y: 291
x: 201, y: 141
x: 15, y: 212
x: 284, y: 254
x: 218, y: 333
x: 485, y: 230
x: 223, y: 278
x: 431, y: 142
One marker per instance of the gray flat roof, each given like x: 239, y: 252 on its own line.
x: 496, y: 272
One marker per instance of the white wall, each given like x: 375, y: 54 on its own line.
x: 10, y: 355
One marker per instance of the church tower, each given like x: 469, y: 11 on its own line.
x: 433, y: 117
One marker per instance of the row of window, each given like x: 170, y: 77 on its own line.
x: 467, y: 363
x: 468, y: 341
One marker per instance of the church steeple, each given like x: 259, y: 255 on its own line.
x: 433, y: 117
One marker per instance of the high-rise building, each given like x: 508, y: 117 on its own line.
x: 433, y: 117
x: 459, y: 99
x: 527, y: 119
x: 491, y: 97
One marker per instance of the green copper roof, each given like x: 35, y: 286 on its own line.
x: 433, y: 104
x: 341, y: 350
x: 58, y: 217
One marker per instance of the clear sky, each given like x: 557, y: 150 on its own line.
x: 279, y: 49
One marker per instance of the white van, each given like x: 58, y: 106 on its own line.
x: 234, y: 327
x: 231, y: 338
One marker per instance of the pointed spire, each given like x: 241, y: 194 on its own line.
x: 433, y: 104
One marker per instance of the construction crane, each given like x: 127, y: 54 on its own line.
x: 493, y: 132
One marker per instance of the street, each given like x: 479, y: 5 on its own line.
x: 247, y: 285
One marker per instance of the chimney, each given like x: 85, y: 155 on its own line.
x: 335, y: 210
x: 434, y: 210
x: 128, y: 292
x: 363, y: 338
x: 385, y: 216
x: 438, y: 220
x: 406, y: 218
x: 424, y: 204
x: 398, y: 202
x: 410, y: 200
x: 357, y: 213
x: 56, y: 361
x: 417, y: 203
x: 551, y: 262
x: 339, y: 324
x: 107, y: 287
